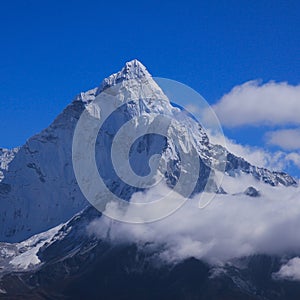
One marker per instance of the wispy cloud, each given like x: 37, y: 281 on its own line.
x: 288, y: 139
x: 271, y: 104
x: 258, y: 156
x: 253, y: 103
x: 295, y: 158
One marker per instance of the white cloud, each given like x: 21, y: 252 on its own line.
x: 295, y: 158
x: 289, y: 271
x: 229, y: 227
x: 253, y: 103
x: 288, y: 139
x: 272, y: 104
x: 258, y: 156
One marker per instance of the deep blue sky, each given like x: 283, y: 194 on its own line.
x: 52, y: 50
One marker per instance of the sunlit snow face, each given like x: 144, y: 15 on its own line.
x: 137, y: 135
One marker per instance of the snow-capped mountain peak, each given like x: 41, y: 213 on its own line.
x: 50, y: 235
x: 40, y: 190
x: 132, y: 70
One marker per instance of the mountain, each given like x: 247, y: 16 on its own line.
x: 46, y: 251
x: 39, y: 190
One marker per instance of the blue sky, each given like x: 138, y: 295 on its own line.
x: 52, y: 50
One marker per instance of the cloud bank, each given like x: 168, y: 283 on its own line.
x: 253, y: 103
x: 231, y: 226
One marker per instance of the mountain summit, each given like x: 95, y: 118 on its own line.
x: 132, y: 70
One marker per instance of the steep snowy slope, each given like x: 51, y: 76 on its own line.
x: 40, y: 191
x: 6, y: 156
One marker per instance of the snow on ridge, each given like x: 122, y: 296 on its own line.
x: 132, y: 70
x: 25, y: 253
x: 6, y: 156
